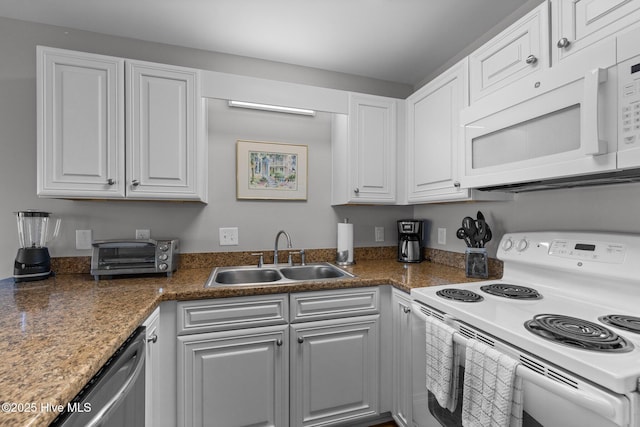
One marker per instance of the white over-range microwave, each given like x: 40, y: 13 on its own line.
x: 572, y: 124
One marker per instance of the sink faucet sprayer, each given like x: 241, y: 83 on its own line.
x: 275, y: 250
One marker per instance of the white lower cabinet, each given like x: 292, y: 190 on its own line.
x: 334, y: 371
x: 152, y: 367
x: 240, y: 363
x: 402, y: 375
x: 234, y: 378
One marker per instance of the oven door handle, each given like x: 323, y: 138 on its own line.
x: 595, y: 403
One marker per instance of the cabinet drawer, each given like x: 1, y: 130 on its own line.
x: 231, y: 313
x: 320, y: 305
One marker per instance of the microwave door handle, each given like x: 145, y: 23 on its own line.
x: 593, y: 145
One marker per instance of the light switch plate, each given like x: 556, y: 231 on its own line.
x: 442, y: 236
x: 379, y: 231
x: 228, y: 236
x: 84, y: 238
x: 143, y: 234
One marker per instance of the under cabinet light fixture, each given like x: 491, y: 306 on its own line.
x: 276, y: 108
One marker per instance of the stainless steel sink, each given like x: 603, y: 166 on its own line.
x: 254, y: 275
x: 274, y: 274
x: 312, y: 272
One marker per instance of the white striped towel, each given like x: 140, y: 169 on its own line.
x: 442, y: 358
x: 492, y: 392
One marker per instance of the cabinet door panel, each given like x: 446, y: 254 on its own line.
x: 334, y: 371
x: 520, y: 50
x: 363, y: 151
x: 585, y: 22
x: 433, y: 132
x: 152, y: 368
x: 402, y: 368
x: 372, y: 131
x: 162, y: 131
x: 80, y: 124
x: 235, y: 378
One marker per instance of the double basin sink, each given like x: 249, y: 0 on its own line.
x: 274, y: 274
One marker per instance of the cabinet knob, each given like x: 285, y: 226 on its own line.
x: 357, y: 191
x: 111, y: 181
x: 279, y: 343
x: 135, y: 182
x: 153, y: 338
x: 406, y: 310
x: 456, y: 184
x: 563, y: 43
x: 531, y: 59
x: 300, y: 340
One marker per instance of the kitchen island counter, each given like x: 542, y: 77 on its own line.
x: 57, y: 333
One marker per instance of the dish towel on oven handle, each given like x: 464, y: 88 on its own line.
x: 492, y: 392
x: 443, y: 359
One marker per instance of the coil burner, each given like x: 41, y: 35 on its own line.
x: 577, y: 333
x: 461, y: 295
x: 628, y: 323
x: 507, y: 290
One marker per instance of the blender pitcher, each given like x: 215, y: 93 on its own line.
x: 33, y: 261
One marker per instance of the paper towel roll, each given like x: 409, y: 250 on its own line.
x: 344, y: 255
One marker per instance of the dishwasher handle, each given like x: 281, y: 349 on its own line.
x: 134, y: 354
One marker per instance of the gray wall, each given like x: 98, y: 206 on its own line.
x: 608, y: 208
x: 312, y: 224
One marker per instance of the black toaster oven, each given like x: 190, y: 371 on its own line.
x: 119, y: 257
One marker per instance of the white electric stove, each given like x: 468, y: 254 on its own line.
x: 567, y: 307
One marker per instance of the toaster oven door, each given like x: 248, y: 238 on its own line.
x: 124, y: 257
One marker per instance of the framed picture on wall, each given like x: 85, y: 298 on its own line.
x: 271, y: 171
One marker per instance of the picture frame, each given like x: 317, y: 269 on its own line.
x: 271, y: 170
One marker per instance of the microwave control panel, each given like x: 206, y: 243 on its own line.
x: 629, y: 96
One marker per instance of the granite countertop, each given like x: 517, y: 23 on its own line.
x: 56, y: 334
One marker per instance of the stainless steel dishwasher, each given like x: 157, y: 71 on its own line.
x: 115, y: 395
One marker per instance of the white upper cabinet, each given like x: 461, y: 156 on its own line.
x: 364, y: 151
x: 84, y: 148
x: 432, y: 137
x: 520, y: 50
x: 162, y: 132
x: 80, y: 124
x: 578, y: 24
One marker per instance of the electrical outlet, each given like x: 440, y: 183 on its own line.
x: 379, y: 234
x: 442, y: 236
x: 228, y: 236
x: 84, y: 238
x: 143, y: 234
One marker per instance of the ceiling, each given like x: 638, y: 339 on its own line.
x: 396, y: 40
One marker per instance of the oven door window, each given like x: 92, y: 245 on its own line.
x: 127, y: 257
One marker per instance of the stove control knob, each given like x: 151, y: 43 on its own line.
x: 507, y: 244
x: 163, y: 266
x: 522, y: 245
x: 163, y: 257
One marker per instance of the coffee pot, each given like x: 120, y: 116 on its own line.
x: 35, y: 230
x: 410, y: 240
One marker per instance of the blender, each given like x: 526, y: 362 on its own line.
x: 33, y: 261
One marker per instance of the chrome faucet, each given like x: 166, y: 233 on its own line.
x: 275, y: 250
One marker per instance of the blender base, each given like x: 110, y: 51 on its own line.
x: 32, y: 264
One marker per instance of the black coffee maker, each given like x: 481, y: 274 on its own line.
x: 410, y: 240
